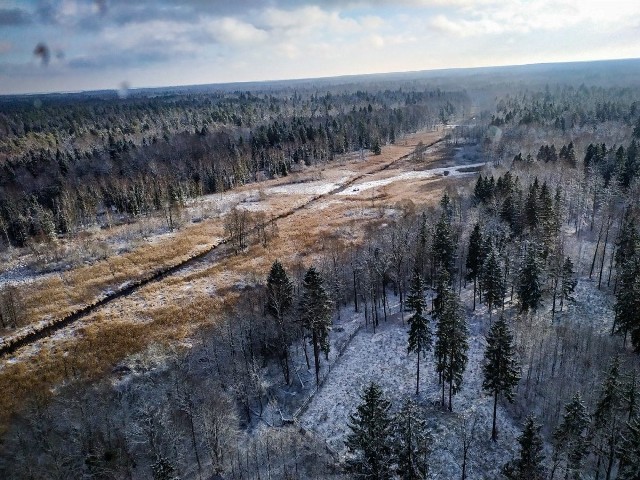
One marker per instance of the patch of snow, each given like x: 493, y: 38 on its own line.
x: 414, y: 175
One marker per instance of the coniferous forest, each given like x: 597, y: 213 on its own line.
x: 453, y: 293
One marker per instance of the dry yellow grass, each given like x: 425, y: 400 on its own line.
x: 173, y: 309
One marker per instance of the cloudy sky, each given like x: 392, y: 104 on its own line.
x: 68, y: 45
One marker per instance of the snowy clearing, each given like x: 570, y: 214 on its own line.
x: 382, y: 357
x: 413, y: 175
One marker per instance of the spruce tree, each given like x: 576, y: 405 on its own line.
x: 315, y: 308
x: 569, y: 282
x: 529, y: 465
x: 630, y: 394
x: 444, y: 245
x: 546, y: 218
x: 530, y: 284
x: 501, y: 370
x: 608, y: 417
x: 369, y: 443
x: 628, y: 242
x: 421, y: 249
x: 411, y: 442
x: 474, y: 258
x: 627, y: 306
x: 492, y: 280
x: 279, y: 302
x: 531, y: 205
x: 419, y: 329
x: 570, y: 437
x: 629, y: 452
x: 451, y: 340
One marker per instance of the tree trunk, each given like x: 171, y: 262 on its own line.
x: 316, y: 355
x: 494, y: 431
x: 604, y: 252
x: 306, y: 354
x: 418, y: 375
x: 355, y: 291
x: 474, y: 292
x: 595, y: 253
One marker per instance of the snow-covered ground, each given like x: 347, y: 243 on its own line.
x: 413, y: 175
x: 382, y: 357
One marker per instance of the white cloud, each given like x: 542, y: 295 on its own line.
x: 230, y: 30
x: 521, y: 16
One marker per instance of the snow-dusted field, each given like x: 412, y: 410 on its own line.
x: 382, y: 357
x: 413, y: 175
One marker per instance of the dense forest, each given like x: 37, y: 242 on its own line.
x: 531, y: 270
x: 65, y: 161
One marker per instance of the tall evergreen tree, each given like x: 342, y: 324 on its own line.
x: 529, y: 465
x: 279, y: 303
x: 546, y: 218
x: 444, y: 245
x: 315, y: 308
x: 451, y: 341
x: 631, y: 394
x: 369, y: 443
x: 492, y: 280
x: 568, y: 283
x: 421, y: 250
x: 570, y: 438
x: 629, y: 452
x: 627, y: 306
x: 419, y: 330
x: 411, y: 442
x: 628, y: 242
x: 474, y: 258
x: 608, y: 417
x: 531, y: 205
x: 501, y: 370
x: 530, y: 284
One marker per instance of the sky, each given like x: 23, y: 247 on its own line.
x: 71, y: 45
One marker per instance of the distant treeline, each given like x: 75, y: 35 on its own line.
x: 64, y: 161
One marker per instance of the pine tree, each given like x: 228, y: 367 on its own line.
x: 608, y: 417
x: 444, y: 245
x: 419, y: 330
x: 369, y: 443
x: 631, y: 167
x: 569, y: 282
x: 451, y: 340
x: 530, y: 284
x: 492, y: 280
x: 627, y: 306
x: 546, y: 218
x: 411, y: 441
x: 570, y: 437
x: 529, y: 466
x: 315, y: 308
x: 279, y: 302
x: 474, y: 258
x: 501, y: 370
x: 629, y: 452
x: 163, y: 470
x: 630, y: 394
x: 628, y: 242
x: 531, y: 205
x: 421, y: 250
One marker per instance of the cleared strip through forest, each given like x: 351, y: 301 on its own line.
x: 11, y: 344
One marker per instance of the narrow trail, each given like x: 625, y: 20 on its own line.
x: 43, y: 330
